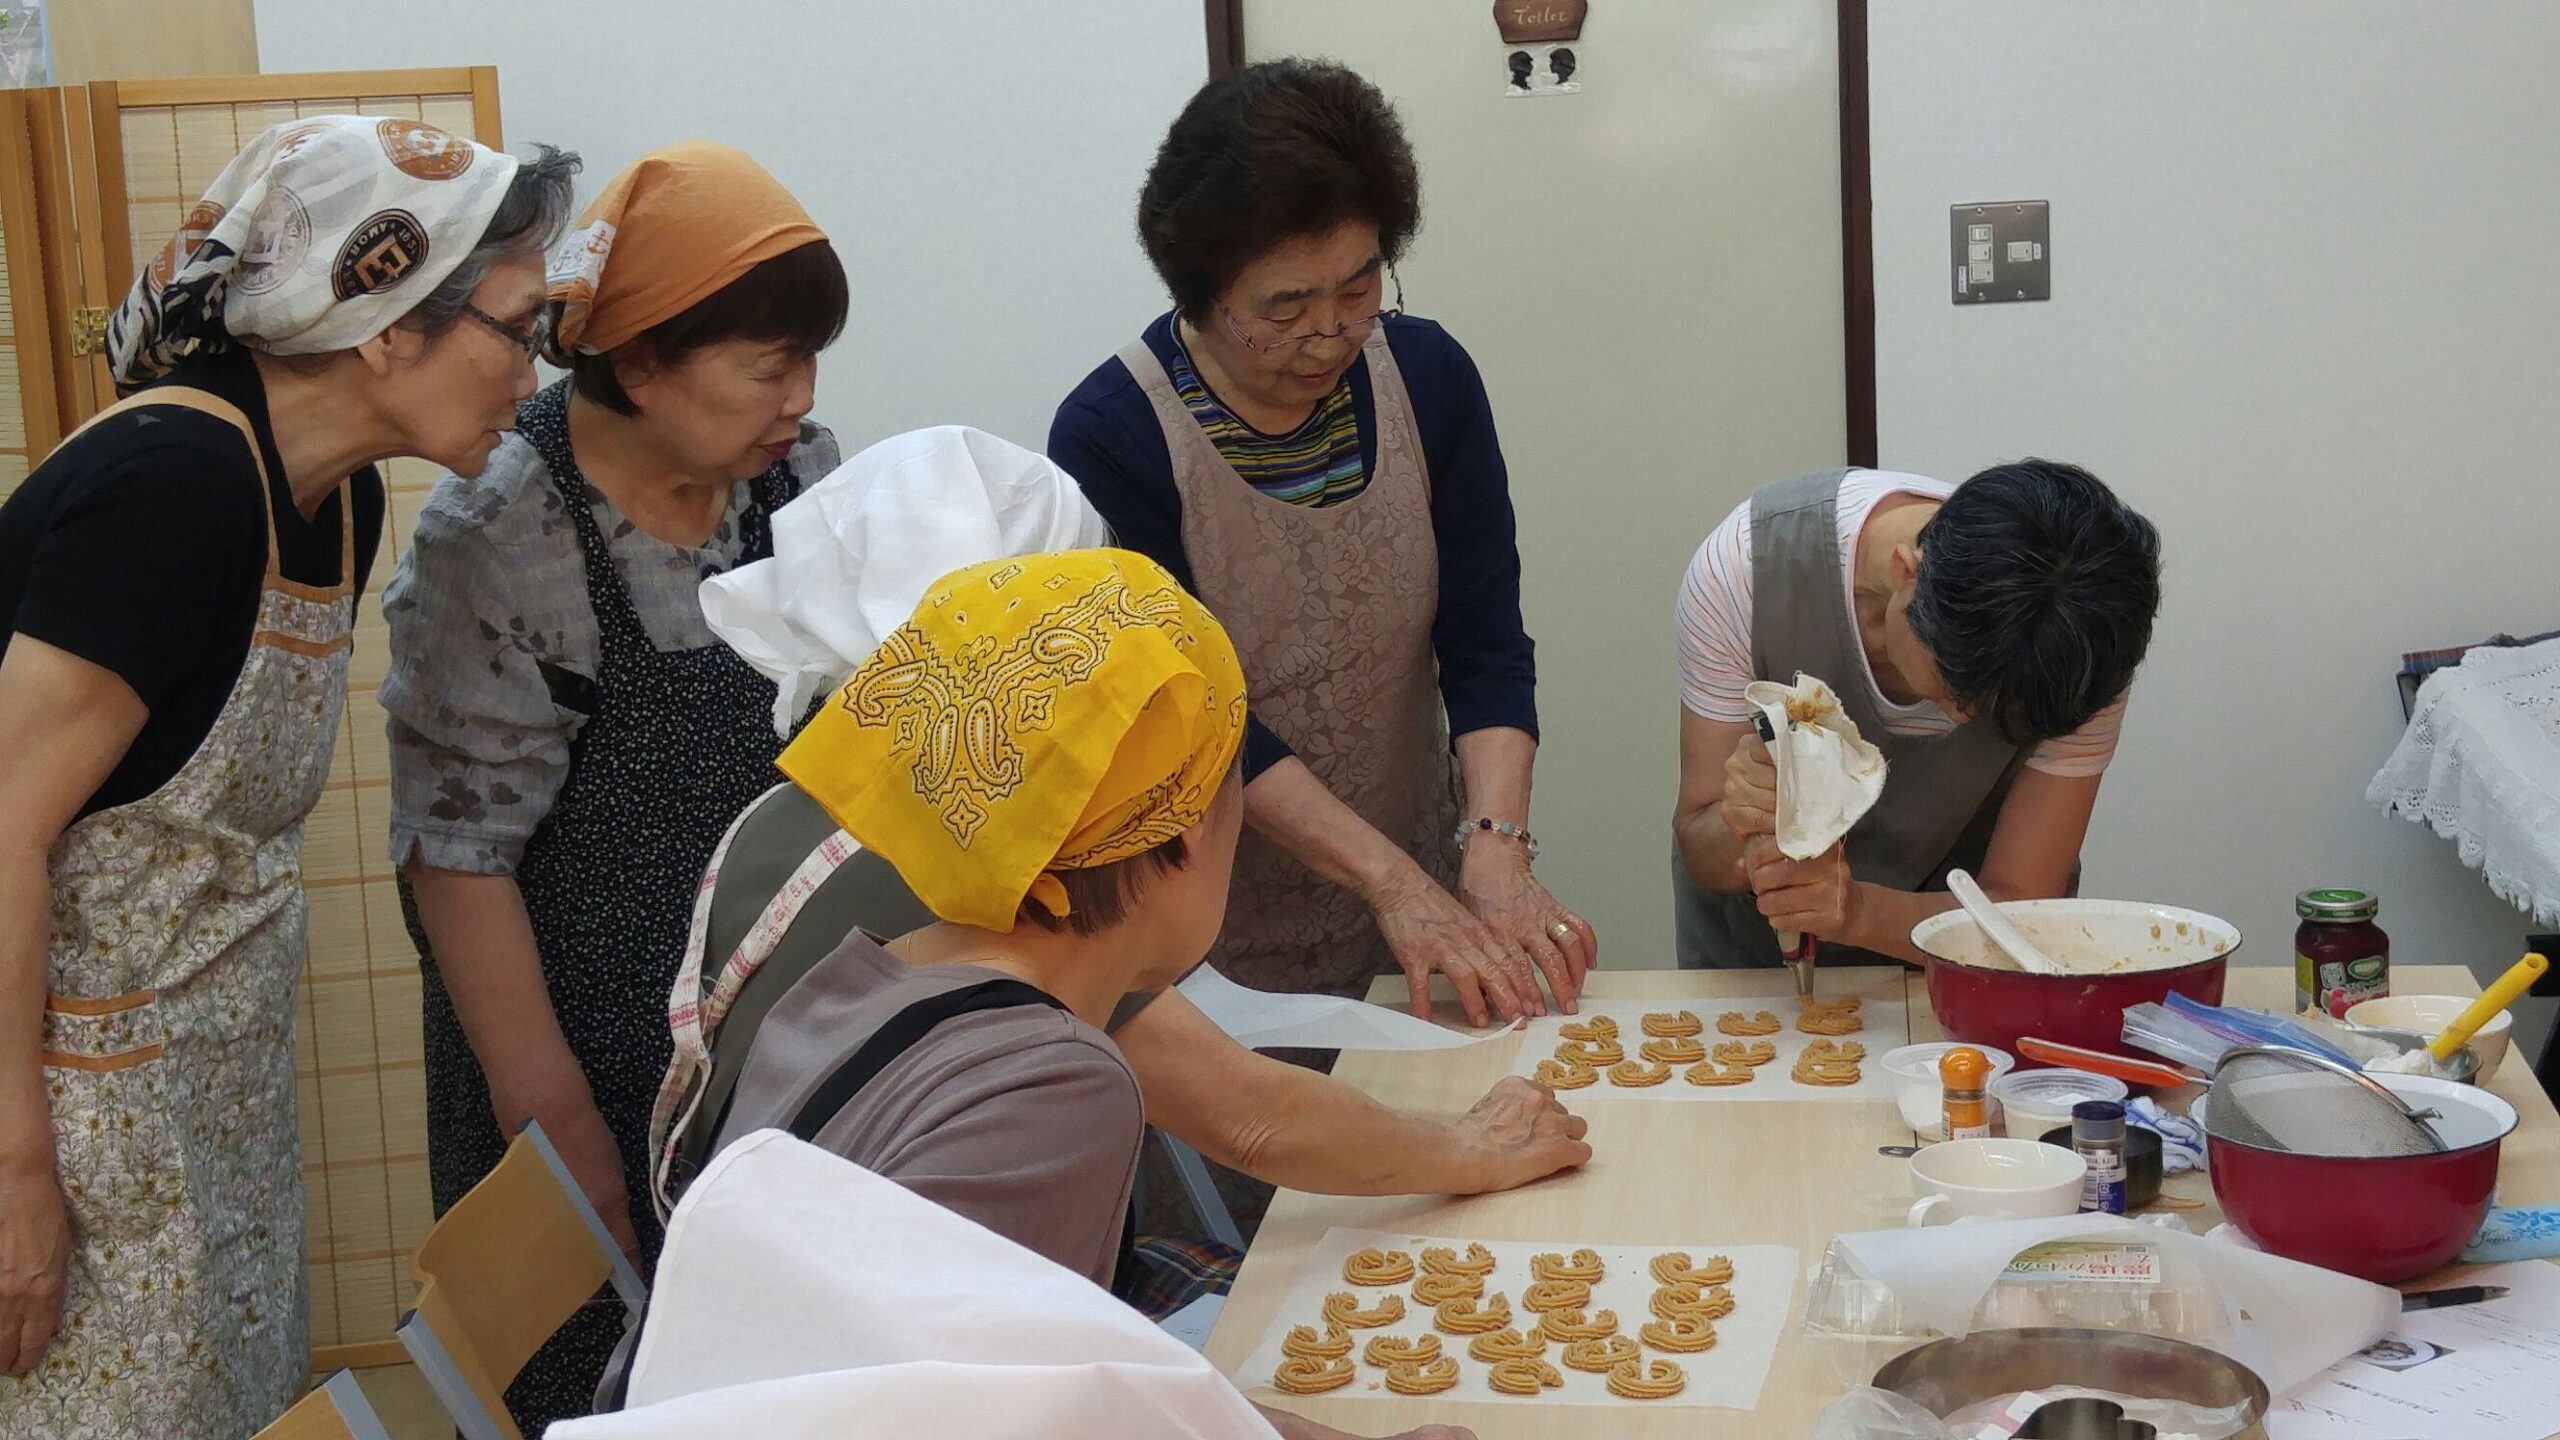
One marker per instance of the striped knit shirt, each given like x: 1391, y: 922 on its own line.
x: 1315, y: 465
x: 1715, y: 632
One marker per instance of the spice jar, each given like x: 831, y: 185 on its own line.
x: 1962, y: 1073
x: 2340, y: 956
x: 2097, y: 1133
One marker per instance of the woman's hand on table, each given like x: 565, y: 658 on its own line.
x: 1428, y: 929
x: 1809, y: 897
x: 1495, y: 882
x: 1517, y: 1133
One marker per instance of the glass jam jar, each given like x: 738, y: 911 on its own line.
x: 2340, y: 956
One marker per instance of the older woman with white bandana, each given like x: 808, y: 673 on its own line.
x: 181, y: 581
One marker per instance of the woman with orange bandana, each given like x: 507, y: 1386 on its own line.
x: 568, y: 739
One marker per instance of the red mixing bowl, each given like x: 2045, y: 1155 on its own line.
x: 1982, y: 997
x: 2384, y: 1220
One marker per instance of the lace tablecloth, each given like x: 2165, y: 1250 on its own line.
x: 2481, y: 764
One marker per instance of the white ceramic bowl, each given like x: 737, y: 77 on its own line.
x: 1914, y: 1069
x: 2429, y: 1015
x: 2035, y: 1101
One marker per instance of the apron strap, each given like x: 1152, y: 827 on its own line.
x: 899, y: 1036
x: 694, y: 1016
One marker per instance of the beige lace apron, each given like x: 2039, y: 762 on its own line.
x: 178, y: 925
x: 1331, y: 610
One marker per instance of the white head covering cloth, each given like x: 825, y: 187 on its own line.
x: 853, y: 555
x: 316, y: 237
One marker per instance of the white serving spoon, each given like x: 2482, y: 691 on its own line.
x: 1996, y: 928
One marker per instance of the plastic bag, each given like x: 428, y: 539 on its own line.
x: 1879, y: 1415
x: 2165, y: 1032
x: 2255, y: 1027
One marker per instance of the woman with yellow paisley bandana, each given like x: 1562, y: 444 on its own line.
x: 1045, y: 752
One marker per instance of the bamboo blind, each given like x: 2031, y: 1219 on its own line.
x: 358, y: 1056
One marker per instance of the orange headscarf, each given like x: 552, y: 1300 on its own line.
x: 668, y: 233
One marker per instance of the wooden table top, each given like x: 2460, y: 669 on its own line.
x: 1775, y: 1172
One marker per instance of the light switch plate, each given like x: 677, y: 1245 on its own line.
x: 2002, y: 251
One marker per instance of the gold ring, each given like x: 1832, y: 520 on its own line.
x: 1561, y: 930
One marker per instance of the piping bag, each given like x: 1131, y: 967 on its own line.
x: 1829, y: 776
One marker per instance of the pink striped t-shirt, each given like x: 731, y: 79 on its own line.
x: 1715, y: 632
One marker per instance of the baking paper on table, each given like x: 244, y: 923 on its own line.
x: 1828, y: 774
x: 1727, y: 1377
x: 1887, y: 1027
x: 801, y: 1297
x: 2298, y: 1319
x: 1263, y: 1019
x: 2466, y: 1372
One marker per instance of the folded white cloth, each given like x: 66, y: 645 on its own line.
x: 853, y: 555
x: 2480, y: 765
x: 801, y: 1296
x: 1828, y: 774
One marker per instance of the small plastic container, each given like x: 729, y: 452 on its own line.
x: 2039, y: 1100
x: 1916, y: 1088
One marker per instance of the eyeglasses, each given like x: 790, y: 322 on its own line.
x: 1290, y: 344
x: 527, y: 338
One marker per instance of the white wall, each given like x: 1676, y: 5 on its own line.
x: 1648, y: 274
x: 2303, y: 317
x: 977, y: 164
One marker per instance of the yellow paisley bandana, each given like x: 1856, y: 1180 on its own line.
x: 1036, y: 714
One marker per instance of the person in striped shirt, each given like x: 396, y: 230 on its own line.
x: 1983, y: 635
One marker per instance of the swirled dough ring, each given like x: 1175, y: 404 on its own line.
x: 1598, y: 1027
x: 1389, y: 1350
x: 1427, y: 1378
x: 1683, y: 1051
x: 1599, y: 1356
x: 1556, y: 1295
x: 1745, y: 1052
x: 1441, y: 1260
x: 1734, y: 1022
x: 1344, y: 1310
x: 1465, y: 1316
x: 1708, y: 1073
x: 1441, y: 1289
x: 1564, y: 1075
x: 1522, y: 1375
x: 1687, y: 1335
x: 1636, y: 1074
x: 1677, y: 1024
x: 1510, y: 1345
x: 1304, y: 1343
x: 1378, y: 1267
x: 1635, y: 1381
x: 1569, y: 1326
x: 1307, y: 1375
x: 1584, y: 1266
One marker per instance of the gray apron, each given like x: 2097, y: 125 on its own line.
x: 1942, y: 793
x: 1331, y: 611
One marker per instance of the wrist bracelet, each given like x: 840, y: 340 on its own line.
x: 1489, y: 826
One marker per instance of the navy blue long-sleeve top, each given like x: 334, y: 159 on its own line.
x: 1106, y: 435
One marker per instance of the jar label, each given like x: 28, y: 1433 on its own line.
x: 2087, y: 1262
x: 2333, y: 987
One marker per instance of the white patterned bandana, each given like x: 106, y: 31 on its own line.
x: 317, y: 237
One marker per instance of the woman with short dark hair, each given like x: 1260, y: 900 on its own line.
x: 1983, y: 636
x: 568, y: 739
x: 181, y: 580
x: 1322, y: 470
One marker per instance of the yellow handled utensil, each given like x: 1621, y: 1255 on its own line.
x: 2518, y: 979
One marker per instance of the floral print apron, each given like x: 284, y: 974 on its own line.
x: 177, y: 947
